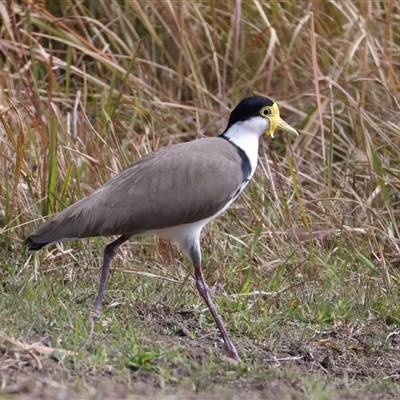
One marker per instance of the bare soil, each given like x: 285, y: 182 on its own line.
x: 346, y: 358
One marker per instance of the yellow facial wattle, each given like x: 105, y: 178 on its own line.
x: 275, y: 120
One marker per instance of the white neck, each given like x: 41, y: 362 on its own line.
x: 246, y: 134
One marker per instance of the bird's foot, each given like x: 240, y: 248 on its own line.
x: 232, y: 354
x: 96, y: 314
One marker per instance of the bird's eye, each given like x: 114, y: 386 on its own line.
x: 265, y: 111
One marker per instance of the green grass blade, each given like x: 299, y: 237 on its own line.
x: 52, y: 167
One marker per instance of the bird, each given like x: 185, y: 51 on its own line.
x: 172, y: 192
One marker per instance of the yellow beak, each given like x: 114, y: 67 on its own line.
x: 286, y: 127
x: 275, y: 122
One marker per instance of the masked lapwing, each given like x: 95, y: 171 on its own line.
x: 172, y: 192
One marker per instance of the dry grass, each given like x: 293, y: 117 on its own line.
x: 88, y: 87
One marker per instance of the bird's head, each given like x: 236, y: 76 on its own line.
x: 262, y: 110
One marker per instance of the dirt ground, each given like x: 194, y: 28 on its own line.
x: 344, y: 361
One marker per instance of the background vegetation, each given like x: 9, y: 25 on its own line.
x: 304, y: 267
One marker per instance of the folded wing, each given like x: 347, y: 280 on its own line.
x: 171, y: 186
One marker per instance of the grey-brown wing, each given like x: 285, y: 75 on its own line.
x: 178, y: 184
x: 181, y: 184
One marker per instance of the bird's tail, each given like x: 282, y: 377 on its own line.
x: 72, y: 223
x: 34, y: 246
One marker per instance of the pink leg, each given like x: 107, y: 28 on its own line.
x: 204, y: 291
x: 109, y: 253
